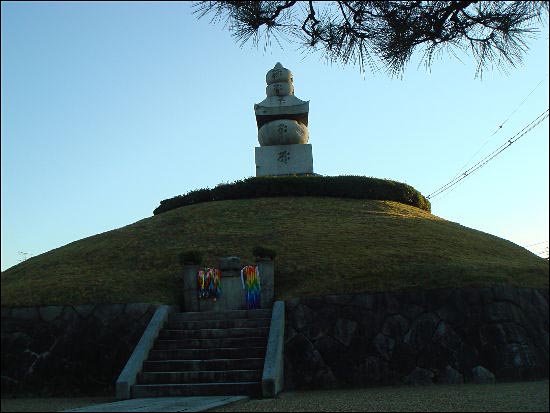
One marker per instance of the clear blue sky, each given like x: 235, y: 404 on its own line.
x: 109, y: 108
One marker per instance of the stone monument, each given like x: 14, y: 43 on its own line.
x: 282, y: 128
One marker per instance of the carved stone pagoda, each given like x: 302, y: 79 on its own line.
x: 282, y: 128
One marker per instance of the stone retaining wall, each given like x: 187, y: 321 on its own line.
x: 439, y: 336
x: 68, y: 350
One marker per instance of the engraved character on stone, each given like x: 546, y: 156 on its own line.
x: 284, y: 156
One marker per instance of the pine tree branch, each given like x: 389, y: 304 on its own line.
x: 390, y: 31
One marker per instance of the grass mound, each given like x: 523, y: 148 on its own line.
x: 324, y: 245
x: 355, y: 187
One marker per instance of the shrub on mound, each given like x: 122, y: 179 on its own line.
x: 346, y: 186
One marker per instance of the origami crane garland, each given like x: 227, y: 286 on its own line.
x: 209, y: 283
x: 209, y: 279
x: 250, y: 277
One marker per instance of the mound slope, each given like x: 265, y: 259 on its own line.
x: 323, y: 245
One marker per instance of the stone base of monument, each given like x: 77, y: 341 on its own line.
x: 284, y: 160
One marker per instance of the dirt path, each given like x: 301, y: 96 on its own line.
x: 53, y: 404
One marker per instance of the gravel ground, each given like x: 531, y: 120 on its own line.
x: 502, y: 397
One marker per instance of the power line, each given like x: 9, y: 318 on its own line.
x: 489, y: 157
x: 499, y: 127
x: 520, y: 105
x: 539, y: 248
x: 538, y: 243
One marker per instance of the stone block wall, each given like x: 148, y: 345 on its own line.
x: 438, y: 336
x: 68, y: 350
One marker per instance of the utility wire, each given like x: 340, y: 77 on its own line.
x: 539, y: 248
x: 499, y: 127
x: 489, y: 157
x: 538, y: 243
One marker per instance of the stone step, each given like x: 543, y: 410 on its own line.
x: 244, y: 342
x: 203, y: 365
x: 201, y: 389
x: 208, y: 353
x: 217, y: 324
x: 213, y: 376
x: 167, y: 334
x: 221, y: 315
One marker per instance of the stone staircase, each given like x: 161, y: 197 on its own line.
x: 207, y: 354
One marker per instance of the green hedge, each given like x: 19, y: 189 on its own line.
x: 357, y: 187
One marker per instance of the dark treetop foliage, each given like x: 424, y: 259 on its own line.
x: 365, y: 32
